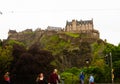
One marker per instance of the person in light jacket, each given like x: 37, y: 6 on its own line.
x: 91, y: 79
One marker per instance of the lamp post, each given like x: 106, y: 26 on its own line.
x: 109, y: 61
x: 87, y: 62
x: 112, y: 75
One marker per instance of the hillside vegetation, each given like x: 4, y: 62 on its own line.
x: 70, y: 53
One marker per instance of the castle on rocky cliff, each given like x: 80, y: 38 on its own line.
x: 85, y: 27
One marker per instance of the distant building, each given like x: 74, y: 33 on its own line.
x: 77, y: 26
x: 81, y: 26
x: 11, y: 32
x: 51, y: 28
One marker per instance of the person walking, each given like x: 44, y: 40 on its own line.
x: 91, y: 79
x: 54, y: 79
x: 82, y: 78
x: 40, y: 79
x: 7, y: 78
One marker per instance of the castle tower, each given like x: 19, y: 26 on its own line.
x: 78, y: 26
x: 82, y: 27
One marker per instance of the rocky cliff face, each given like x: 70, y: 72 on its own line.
x: 68, y: 50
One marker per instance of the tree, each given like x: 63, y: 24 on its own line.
x: 30, y: 63
x: 116, y: 70
x: 5, y: 60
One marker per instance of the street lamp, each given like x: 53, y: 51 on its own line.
x: 111, y: 66
x: 109, y: 60
x: 87, y: 62
x: 112, y: 75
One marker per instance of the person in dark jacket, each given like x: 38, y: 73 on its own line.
x: 82, y: 77
x: 40, y: 79
x: 7, y: 78
x: 54, y: 79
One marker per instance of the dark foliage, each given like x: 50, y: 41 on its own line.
x: 18, y: 50
x: 30, y: 63
x: 34, y: 49
x: 0, y: 43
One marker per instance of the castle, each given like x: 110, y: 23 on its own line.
x: 82, y: 27
x: 78, y: 26
x: 85, y: 28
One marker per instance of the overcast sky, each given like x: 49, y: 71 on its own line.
x: 22, y: 14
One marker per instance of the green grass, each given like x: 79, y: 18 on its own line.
x: 75, y: 35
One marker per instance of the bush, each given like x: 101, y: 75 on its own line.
x: 71, y: 76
